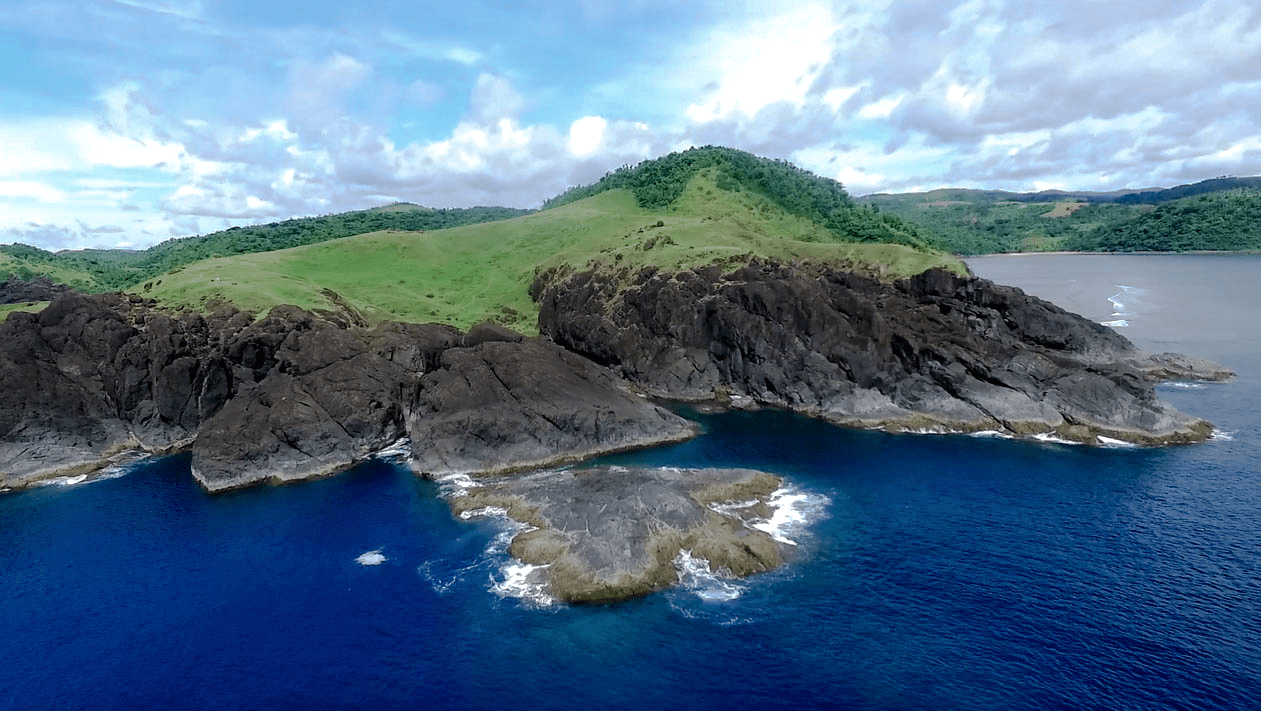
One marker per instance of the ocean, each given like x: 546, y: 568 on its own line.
x: 928, y: 571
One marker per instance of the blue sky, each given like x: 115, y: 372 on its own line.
x: 127, y: 122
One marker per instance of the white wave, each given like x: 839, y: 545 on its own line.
x: 1184, y: 385
x: 371, y: 558
x: 1222, y: 435
x: 791, y: 512
x: 65, y: 480
x: 401, y: 448
x: 455, y: 485
x: 484, y: 511
x: 1119, y: 323
x: 513, y: 578
x: 991, y: 433
x: 1110, y: 442
x: 524, y: 582
x: 122, y: 466
x: 696, y: 577
x: 733, y: 508
x: 1052, y: 439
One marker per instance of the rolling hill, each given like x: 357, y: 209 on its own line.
x: 474, y: 273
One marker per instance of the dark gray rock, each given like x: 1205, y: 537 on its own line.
x: 294, y: 395
x: 504, y: 406
x: 41, y: 288
x: 937, y: 351
x: 611, y: 533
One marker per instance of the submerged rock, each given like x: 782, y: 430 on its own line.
x: 611, y: 533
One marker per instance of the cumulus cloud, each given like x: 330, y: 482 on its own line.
x: 882, y: 96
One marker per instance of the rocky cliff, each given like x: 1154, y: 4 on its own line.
x: 936, y: 352
x: 296, y: 395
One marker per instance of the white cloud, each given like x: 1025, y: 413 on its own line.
x: 766, y: 61
x: 31, y: 189
x: 883, y: 96
x: 586, y: 134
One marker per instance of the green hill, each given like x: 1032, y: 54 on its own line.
x: 1229, y: 220
x: 658, y: 184
x: 1216, y: 214
x: 105, y: 270
x: 984, y: 222
x: 470, y: 274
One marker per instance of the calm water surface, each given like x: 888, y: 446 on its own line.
x: 942, y: 572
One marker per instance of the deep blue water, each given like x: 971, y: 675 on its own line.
x: 944, y: 572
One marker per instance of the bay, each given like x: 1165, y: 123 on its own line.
x: 945, y: 572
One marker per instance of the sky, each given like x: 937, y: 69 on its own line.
x: 127, y: 122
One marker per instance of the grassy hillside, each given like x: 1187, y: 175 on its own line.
x: 19, y: 261
x: 470, y: 274
x: 659, y: 184
x: 106, y: 270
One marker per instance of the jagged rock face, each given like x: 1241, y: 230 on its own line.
x: 935, y: 351
x: 293, y: 395
x: 471, y: 412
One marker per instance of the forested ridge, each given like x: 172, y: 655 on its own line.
x: 1229, y: 220
x: 1215, y: 214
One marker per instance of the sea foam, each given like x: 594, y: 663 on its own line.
x: 401, y: 448
x: 791, y: 512
x: 696, y: 577
x: 371, y: 558
x: 524, y: 582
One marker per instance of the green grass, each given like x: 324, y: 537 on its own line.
x: 467, y: 275
x: 31, y: 306
x: 24, y: 268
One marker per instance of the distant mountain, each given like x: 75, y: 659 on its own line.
x: 1220, y: 220
x: 967, y: 221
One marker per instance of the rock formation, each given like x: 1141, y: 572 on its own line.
x: 296, y: 395
x: 934, y: 352
x: 609, y: 533
x: 293, y: 395
x: 41, y: 288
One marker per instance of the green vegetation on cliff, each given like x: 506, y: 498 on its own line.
x: 701, y: 207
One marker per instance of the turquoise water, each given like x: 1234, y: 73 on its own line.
x: 934, y: 572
